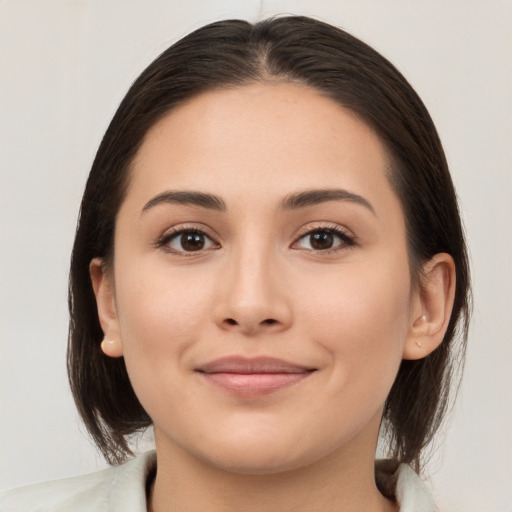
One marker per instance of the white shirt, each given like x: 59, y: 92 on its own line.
x: 123, y: 489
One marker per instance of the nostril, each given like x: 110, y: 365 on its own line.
x: 267, y: 321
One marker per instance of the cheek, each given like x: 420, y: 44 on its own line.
x: 162, y: 315
x: 360, y: 315
x: 162, y: 312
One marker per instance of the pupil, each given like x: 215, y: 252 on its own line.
x: 323, y: 240
x: 192, y: 241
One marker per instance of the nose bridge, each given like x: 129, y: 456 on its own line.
x: 252, y: 275
x: 252, y: 297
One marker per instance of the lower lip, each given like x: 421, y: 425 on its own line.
x: 254, y: 384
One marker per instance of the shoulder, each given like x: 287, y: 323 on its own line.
x: 402, y: 483
x: 120, y: 488
x: 412, y: 493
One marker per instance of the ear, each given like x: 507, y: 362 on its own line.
x: 103, y: 286
x: 432, y: 307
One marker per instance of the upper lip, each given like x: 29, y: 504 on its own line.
x: 245, y: 365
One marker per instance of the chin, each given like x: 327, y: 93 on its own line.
x: 255, y: 462
x: 262, y: 454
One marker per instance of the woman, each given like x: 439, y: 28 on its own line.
x: 270, y: 269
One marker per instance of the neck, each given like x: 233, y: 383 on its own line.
x: 188, y: 484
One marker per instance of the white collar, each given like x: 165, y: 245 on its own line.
x: 123, y: 489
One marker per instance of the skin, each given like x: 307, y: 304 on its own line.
x: 259, y: 287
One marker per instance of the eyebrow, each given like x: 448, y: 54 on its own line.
x: 201, y: 199
x: 291, y: 202
x: 314, y: 197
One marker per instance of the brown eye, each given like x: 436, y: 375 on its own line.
x: 189, y: 241
x: 321, y: 240
x: 192, y: 241
x: 324, y: 239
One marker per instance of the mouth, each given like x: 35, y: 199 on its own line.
x: 254, y: 377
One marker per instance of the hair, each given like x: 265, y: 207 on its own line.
x: 298, y: 50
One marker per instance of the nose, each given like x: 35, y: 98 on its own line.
x: 253, y: 296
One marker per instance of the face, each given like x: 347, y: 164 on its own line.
x: 260, y: 291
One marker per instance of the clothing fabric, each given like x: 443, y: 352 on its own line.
x: 123, y: 489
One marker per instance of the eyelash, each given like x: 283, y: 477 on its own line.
x: 346, y: 241
x: 175, y: 233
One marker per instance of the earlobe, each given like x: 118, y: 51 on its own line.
x: 112, y: 347
x: 103, y: 287
x: 430, y: 317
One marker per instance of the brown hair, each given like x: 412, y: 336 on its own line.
x: 232, y: 53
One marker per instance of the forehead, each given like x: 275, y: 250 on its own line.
x: 260, y: 140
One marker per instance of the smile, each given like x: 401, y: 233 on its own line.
x: 253, y: 377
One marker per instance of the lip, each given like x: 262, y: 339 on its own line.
x: 253, y: 377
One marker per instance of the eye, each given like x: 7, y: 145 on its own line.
x: 324, y: 239
x: 187, y: 240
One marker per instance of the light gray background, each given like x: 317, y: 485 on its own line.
x: 64, y: 67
